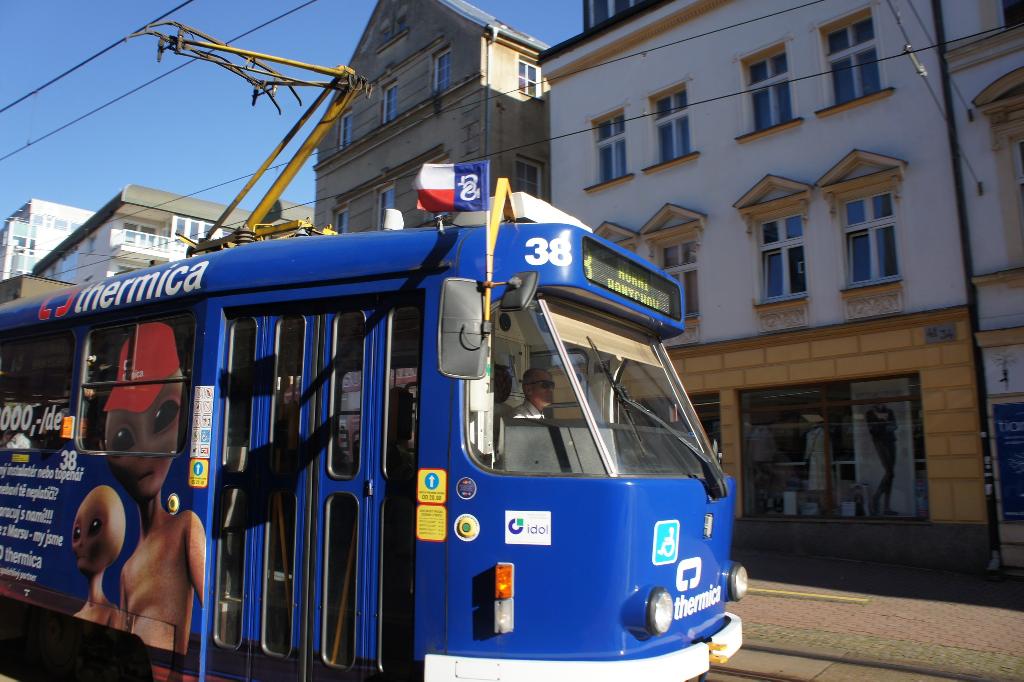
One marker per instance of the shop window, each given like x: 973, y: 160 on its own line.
x: 770, y: 103
x: 672, y: 121
x: 852, y: 58
x: 871, y: 239
x: 783, y: 268
x: 846, y: 450
x: 680, y: 261
x: 709, y: 411
x: 611, y: 147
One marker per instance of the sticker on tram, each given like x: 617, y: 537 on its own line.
x: 198, y: 473
x: 467, y: 527
x: 466, y: 488
x: 527, y: 527
x: 666, y: 542
x: 431, y: 523
x: 432, y: 486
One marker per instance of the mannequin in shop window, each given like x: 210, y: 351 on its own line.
x: 814, y: 453
x: 882, y: 427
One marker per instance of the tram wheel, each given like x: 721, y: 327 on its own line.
x: 58, y: 637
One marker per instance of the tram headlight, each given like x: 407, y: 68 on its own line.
x: 659, y: 611
x: 737, y: 582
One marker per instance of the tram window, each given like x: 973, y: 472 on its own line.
x: 287, y: 395
x: 227, y: 624
x: 35, y: 391
x: 238, y: 417
x: 526, y: 418
x: 402, y: 407
x: 338, y: 628
x: 347, y: 391
x: 135, y: 394
x: 278, y: 574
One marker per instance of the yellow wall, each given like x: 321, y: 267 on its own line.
x: 865, y: 349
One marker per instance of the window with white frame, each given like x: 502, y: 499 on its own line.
x: 673, y: 124
x: 852, y: 56
x: 345, y: 139
x: 871, y: 239
x: 341, y: 221
x: 528, y: 177
x: 1013, y: 12
x: 680, y: 261
x: 442, y: 71
x: 783, y: 269
x: 611, y: 148
x: 603, y: 9
x: 389, y: 105
x: 385, y: 200
x: 770, y: 102
x: 529, y: 78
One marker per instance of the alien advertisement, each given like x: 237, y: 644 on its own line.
x: 101, y: 525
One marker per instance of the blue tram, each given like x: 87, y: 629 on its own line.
x: 313, y: 458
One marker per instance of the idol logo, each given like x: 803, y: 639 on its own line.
x: 527, y: 527
x: 469, y: 187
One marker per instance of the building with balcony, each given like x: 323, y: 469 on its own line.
x: 136, y: 229
x: 31, y: 232
x: 792, y: 168
x: 451, y: 83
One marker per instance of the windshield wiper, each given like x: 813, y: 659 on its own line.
x: 716, y: 484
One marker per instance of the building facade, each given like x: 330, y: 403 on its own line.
x: 451, y: 84
x: 31, y: 232
x: 136, y: 229
x: 987, y: 96
x: 791, y: 168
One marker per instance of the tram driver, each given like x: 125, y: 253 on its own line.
x: 539, y: 391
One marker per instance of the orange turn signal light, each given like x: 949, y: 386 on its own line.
x: 504, y: 581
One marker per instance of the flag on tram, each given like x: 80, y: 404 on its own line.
x: 442, y: 187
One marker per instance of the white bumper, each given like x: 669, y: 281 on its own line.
x: 678, y: 665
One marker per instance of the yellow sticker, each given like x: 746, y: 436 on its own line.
x: 432, y: 486
x: 173, y: 503
x: 198, y: 472
x: 67, y: 428
x: 431, y: 523
x: 20, y: 458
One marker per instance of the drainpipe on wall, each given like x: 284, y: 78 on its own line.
x: 492, y: 35
x: 994, y: 567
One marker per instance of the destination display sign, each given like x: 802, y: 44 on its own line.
x: 614, y: 272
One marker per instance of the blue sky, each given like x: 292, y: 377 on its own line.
x: 192, y: 129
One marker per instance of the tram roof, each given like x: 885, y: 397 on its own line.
x: 273, y: 264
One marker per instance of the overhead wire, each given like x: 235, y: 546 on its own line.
x: 147, y: 83
x: 76, y: 67
x: 981, y: 35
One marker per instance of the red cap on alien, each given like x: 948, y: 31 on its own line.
x: 156, y: 358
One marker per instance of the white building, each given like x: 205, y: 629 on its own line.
x: 988, y: 103
x: 793, y: 170
x: 134, y: 230
x: 32, y: 231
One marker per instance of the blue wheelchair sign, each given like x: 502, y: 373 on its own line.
x: 666, y: 542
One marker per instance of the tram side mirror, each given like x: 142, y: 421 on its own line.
x: 519, y: 291
x: 462, y: 346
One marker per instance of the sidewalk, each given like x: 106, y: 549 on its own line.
x: 809, y: 618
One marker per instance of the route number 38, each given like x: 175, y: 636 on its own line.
x: 558, y: 251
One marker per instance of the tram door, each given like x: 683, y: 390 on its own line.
x: 315, y: 555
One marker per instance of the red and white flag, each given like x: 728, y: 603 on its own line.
x: 444, y: 187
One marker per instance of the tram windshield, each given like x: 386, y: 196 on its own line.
x: 534, y: 416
